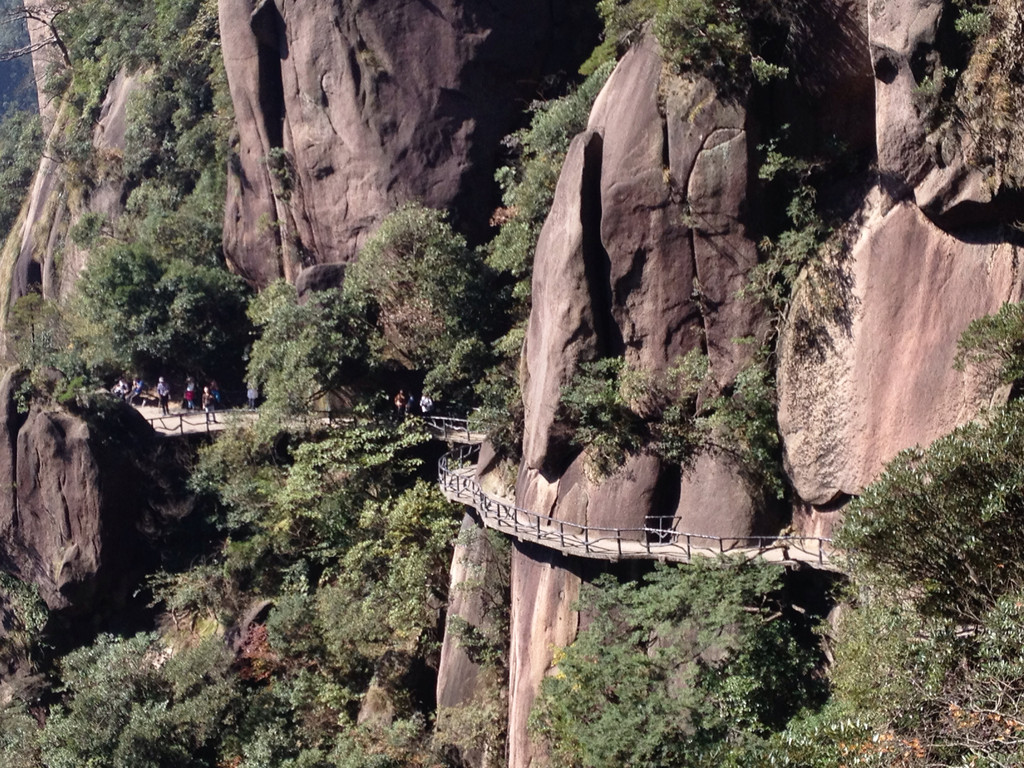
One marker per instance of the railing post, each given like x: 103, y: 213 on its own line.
x: 586, y: 539
x: 689, y: 555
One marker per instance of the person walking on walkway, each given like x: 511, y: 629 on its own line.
x: 209, y: 405
x: 251, y: 395
x: 164, y: 393
x: 190, y: 393
x: 426, y: 404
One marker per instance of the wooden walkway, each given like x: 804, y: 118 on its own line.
x: 659, y: 540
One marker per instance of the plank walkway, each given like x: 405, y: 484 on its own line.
x: 658, y: 541
x: 185, y: 422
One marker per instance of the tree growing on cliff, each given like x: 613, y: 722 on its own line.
x: 139, y: 313
x: 426, y: 295
x: 693, y: 666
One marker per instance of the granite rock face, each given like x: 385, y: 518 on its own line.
x: 966, y: 171
x: 345, y: 110
x: 478, y: 597
x: 642, y: 255
x: 544, y: 587
x: 883, y: 379
x: 76, y: 506
x: 48, y: 258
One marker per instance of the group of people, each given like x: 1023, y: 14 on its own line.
x: 209, y: 399
x: 406, y: 403
x: 130, y: 394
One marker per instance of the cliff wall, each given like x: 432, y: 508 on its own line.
x: 653, y: 232
x: 346, y: 110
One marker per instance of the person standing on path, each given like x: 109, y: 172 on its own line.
x: 209, y: 405
x: 164, y: 393
x: 251, y: 395
x: 190, y: 393
x: 426, y: 404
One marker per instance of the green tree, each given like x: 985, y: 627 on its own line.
x: 127, y: 704
x: 305, y: 351
x: 941, y: 524
x: 710, y: 37
x: 693, y: 666
x: 994, y: 345
x: 426, y: 294
x: 21, y: 146
x: 142, y: 314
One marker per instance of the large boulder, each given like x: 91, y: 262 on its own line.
x: 345, y: 110
x: 79, y: 503
x: 881, y: 378
x: 966, y: 169
x: 642, y: 255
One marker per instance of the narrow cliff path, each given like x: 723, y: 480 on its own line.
x: 659, y: 540
x: 185, y: 422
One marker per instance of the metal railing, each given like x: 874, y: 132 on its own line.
x: 659, y: 538
x: 175, y: 423
x: 451, y: 427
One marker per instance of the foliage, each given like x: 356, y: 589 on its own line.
x: 426, y: 294
x: 141, y: 314
x: 304, y: 351
x: 357, y: 551
x: 528, y: 183
x: 600, y: 414
x: 178, y: 121
x: 692, y: 666
x: 127, y: 704
x: 18, y: 734
x: 39, y: 336
x: 614, y: 410
x: 802, y: 244
x: 743, y: 423
x: 994, y: 345
x: 927, y: 666
x: 974, y: 18
x: 710, y: 37
x: 21, y: 146
x: 942, y: 522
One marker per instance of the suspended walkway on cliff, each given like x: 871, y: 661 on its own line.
x: 658, y: 539
x: 186, y: 422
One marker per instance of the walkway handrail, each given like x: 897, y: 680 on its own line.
x: 657, y: 539
x: 175, y: 423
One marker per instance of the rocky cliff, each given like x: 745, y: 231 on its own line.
x: 346, y: 110
x: 84, y: 498
x: 653, y: 232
